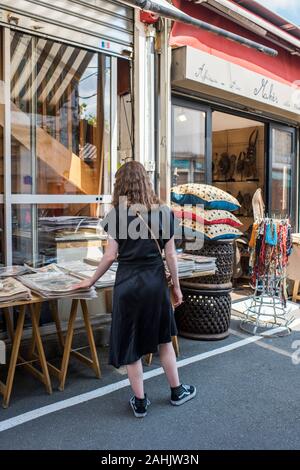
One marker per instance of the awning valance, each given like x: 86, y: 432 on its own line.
x: 167, y: 10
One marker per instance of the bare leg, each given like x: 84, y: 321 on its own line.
x: 168, y: 361
x: 135, y: 376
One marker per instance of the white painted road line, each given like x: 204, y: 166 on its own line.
x: 100, y: 392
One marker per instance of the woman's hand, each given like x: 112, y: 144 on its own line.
x: 177, y: 296
x: 86, y: 284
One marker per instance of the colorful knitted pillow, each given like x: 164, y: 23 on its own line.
x: 206, y: 217
x: 209, y: 196
x: 192, y: 229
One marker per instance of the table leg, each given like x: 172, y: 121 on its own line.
x: 91, y: 339
x: 67, y: 345
x: 148, y: 359
x: 175, y: 345
x: 14, y: 357
x: 33, y: 341
x: 9, y: 323
x: 295, y: 291
x: 55, y: 316
x: 35, y: 316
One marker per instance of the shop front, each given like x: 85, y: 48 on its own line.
x: 236, y: 130
x: 66, y: 123
x: 235, y: 113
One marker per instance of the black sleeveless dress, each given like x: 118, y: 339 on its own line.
x: 142, y: 316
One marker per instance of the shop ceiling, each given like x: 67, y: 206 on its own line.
x: 225, y: 122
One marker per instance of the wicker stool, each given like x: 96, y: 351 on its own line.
x: 205, y: 314
x: 223, y: 251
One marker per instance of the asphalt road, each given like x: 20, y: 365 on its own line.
x: 248, y: 398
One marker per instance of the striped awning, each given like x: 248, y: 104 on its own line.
x: 44, y: 69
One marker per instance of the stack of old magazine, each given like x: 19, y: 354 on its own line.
x: 12, y: 290
x: 51, y: 282
x: 200, y: 263
x: 50, y: 224
x: 86, y: 271
x: 11, y: 271
x: 188, y: 264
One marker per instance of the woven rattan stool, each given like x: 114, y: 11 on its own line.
x: 205, y: 314
x: 223, y: 251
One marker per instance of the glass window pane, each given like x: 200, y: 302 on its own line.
x: 281, y: 183
x: 1, y: 234
x: 188, y: 145
x: 2, y: 325
x: 22, y: 233
x: 59, y: 231
x: 60, y: 118
x: 1, y: 116
x: 125, y: 113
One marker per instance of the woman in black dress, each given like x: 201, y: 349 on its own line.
x: 142, y: 318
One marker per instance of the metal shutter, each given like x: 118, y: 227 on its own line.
x: 97, y: 24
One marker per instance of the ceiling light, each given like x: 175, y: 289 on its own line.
x: 181, y: 118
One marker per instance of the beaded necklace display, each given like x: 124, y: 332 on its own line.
x: 271, y: 246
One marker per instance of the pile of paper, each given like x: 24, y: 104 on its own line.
x: 50, y: 224
x: 201, y: 263
x: 51, y: 285
x: 189, y: 263
x: 86, y: 271
x: 10, y: 271
x: 12, y: 290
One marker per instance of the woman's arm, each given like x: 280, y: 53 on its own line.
x: 109, y: 257
x: 171, y: 259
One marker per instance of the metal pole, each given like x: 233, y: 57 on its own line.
x: 150, y: 103
x: 166, y: 10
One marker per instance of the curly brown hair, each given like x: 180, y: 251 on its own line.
x: 133, y: 182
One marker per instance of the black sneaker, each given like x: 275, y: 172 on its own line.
x: 139, y: 406
x: 182, y: 394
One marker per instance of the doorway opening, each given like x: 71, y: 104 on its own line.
x: 239, y: 168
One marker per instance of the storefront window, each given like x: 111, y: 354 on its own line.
x: 1, y: 117
x: 125, y: 109
x: 60, y: 104
x: 61, y: 232
x: 188, y: 145
x: 1, y: 234
x: 282, y: 155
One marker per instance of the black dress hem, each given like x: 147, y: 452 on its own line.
x: 121, y: 364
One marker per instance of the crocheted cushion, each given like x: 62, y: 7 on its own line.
x: 206, y: 217
x: 192, y: 229
x: 210, y: 196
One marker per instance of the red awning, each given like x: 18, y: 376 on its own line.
x: 285, y: 67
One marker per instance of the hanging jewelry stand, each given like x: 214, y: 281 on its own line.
x: 268, y: 312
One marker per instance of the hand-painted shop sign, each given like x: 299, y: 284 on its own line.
x: 191, y: 66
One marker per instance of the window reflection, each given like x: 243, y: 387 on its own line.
x: 188, y: 146
x: 60, y: 103
x: 281, y: 184
x: 64, y: 232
